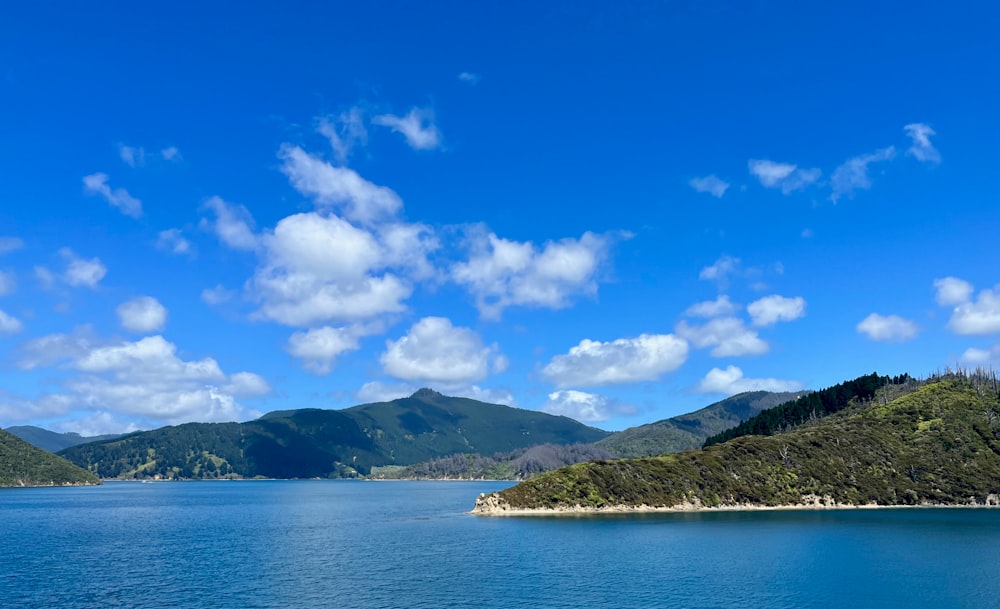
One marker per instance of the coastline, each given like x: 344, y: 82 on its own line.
x: 491, y: 505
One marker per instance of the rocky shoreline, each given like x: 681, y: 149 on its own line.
x: 493, y: 504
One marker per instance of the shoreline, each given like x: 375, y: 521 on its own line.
x: 490, y: 506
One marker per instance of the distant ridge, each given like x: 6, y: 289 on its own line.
x: 53, y: 441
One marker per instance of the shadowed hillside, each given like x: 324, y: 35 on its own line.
x: 22, y: 464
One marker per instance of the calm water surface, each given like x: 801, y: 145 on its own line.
x: 339, y: 544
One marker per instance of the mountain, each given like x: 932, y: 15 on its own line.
x: 22, y: 464
x: 690, y: 430
x: 312, y: 443
x: 938, y: 443
x: 53, y: 441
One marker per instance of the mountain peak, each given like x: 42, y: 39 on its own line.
x: 425, y: 394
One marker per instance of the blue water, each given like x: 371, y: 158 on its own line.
x: 340, y: 544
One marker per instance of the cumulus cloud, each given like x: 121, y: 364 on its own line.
x: 86, y: 272
x: 772, y: 309
x: 417, y: 127
x: 853, y: 174
x: 785, y: 176
x: 979, y: 316
x: 952, y: 291
x: 720, y: 270
x: 436, y: 351
x: 731, y: 381
x: 922, y: 149
x: 10, y: 244
x: 720, y: 307
x: 625, y: 360
x: 727, y: 335
x: 710, y: 184
x: 97, y: 184
x: 132, y: 156
x: 319, y: 347
x: 172, y: 240
x: 339, y: 188
x: 144, y: 379
x: 982, y: 357
x: 469, y: 77
x: 585, y: 407
x: 171, y: 153
x: 142, y: 314
x: 233, y: 224
x: 316, y: 268
x: 217, y: 295
x: 889, y: 328
x: 344, y: 132
x: 9, y: 324
x: 501, y: 273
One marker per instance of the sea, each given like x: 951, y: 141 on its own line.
x: 354, y: 544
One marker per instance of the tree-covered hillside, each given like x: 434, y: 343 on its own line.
x: 938, y: 443
x: 313, y: 443
x: 22, y: 464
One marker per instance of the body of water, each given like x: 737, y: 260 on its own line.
x: 341, y: 544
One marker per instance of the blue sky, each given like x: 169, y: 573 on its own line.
x: 621, y: 214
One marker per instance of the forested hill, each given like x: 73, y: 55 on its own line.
x: 22, y: 464
x: 690, y: 430
x: 313, y: 443
x: 938, y: 443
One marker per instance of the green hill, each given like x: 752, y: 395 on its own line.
x: 690, y: 430
x: 53, y: 441
x: 22, y: 464
x: 938, y: 444
x: 312, y: 443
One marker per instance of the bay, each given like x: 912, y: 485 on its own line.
x: 345, y: 544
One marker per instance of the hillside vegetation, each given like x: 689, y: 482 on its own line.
x: 22, y: 464
x: 315, y: 443
x: 690, y: 430
x: 937, y: 443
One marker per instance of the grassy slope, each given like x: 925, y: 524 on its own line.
x: 689, y: 431
x: 937, y: 445
x: 312, y: 443
x: 22, y: 464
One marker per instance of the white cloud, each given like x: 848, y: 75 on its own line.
x: 143, y: 314
x: 853, y: 174
x: 585, y: 407
x: 952, y: 291
x: 501, y: 273
x: 132, y: 156
x: 982, y: 357
x: 8, y: 283
x: 625, y: 360
x: 417, y: 127
x: 731, y: 381
x: 97, y: 424
x: 79, y: 271
x: 144, y: 379
x: 173, y: 241
x: 318, y: 347
x: 318, y: 268
x: 786, y: 176
x: 720, y: 270
x: 233, y: 224
x: 171, y: 153
x: 9, y: 324
x: 889, y: 328
x: 338, y: 187
x: 469, y: 77
x: 710, y: 184
x: 436, y: 351
x: 344, y: 132
x: 772, y: 309
x: 719, y: 307
x: 981, y: 316
x: 217, y: 295
x: 97, y: 184
x: 53, y: 348
x: 922, y: 149
x: 727, y: 335
x: 10, y: 244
